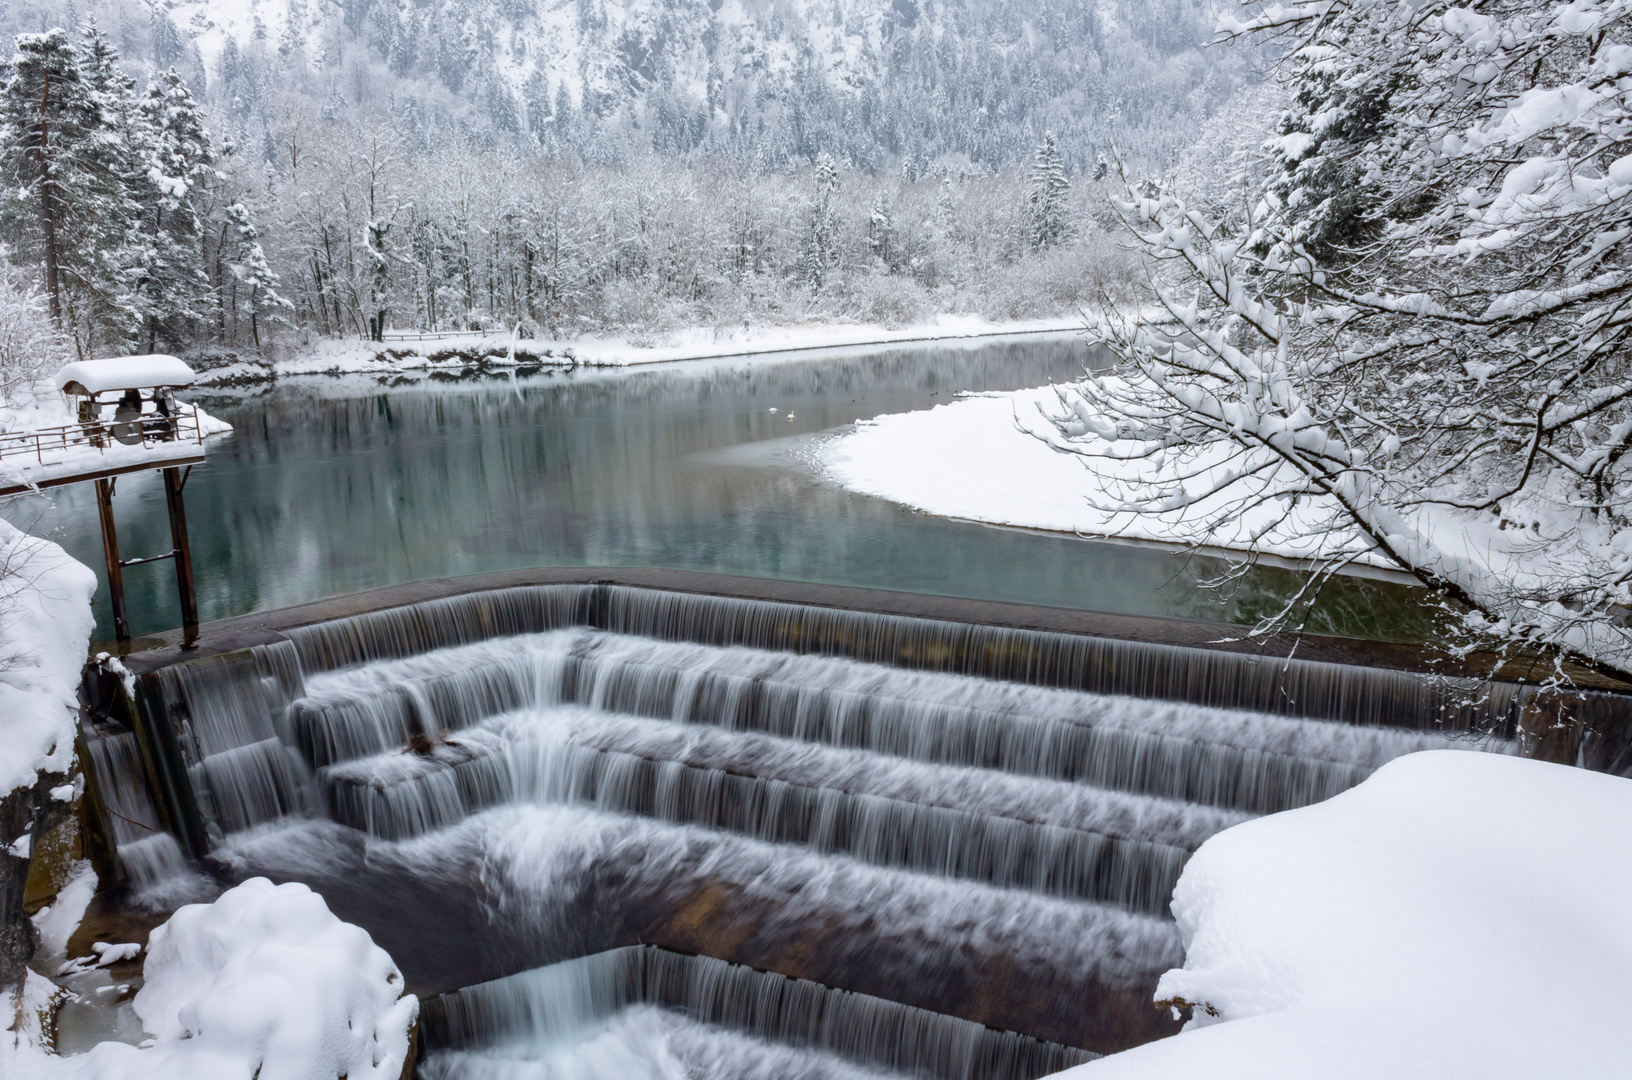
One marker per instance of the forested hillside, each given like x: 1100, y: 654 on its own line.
x: 875, y: 83
x: 245, y: 176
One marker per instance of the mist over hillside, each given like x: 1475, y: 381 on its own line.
x: 874, y: 83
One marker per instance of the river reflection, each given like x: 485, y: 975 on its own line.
x: 331, y: 485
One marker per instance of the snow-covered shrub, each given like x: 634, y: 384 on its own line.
x: 264, y: 983
x: 890, y: 300
x: 635, y: 305
x: 1070, y: 277
x: 29, y: 349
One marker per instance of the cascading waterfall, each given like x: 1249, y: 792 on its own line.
x: 147, y: 854
x: 769, y: 749
x: 563, y: 1002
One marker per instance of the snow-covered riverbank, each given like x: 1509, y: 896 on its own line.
x: 997, y: 458
x: 1455, y: 915
x: 349, y: 356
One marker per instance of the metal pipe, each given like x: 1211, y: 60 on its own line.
x: 110, y: 552
x: 184, y: 556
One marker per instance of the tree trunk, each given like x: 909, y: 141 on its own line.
x: 48, y: 210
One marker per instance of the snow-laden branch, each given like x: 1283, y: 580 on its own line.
x: 1417, y: 326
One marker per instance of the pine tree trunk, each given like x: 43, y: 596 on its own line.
x: 48, y: 211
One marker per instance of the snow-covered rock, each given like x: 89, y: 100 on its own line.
x: 332, y: 356
x: 263, y: 983
x: 1455, y: 915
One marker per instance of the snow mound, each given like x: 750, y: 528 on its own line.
x: 45, y: 625
x: 1455, y: 915
x: 265, y: 982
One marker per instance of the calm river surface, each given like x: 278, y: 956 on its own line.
x: 331, y: 485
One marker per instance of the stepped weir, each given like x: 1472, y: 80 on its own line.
x: 765, y: 837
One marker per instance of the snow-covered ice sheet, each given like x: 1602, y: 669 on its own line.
x: 996, y: 458
x: 1455, y: 915
x: 263, y: 983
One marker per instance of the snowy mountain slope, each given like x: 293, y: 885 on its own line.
x: 876, y: 82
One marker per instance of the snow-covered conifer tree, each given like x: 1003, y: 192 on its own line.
x: 881, y: 232
x: 251, y: 273
x: 1045, y: 198
x: 64, y: 192
x: 109, y: 310
x: 173, y: 290
x: 821, y: 234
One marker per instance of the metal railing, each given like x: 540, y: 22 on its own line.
x: 434, y: 335
x: 151, y: 430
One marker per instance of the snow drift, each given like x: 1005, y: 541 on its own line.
x: 1455, y: 915
x: 45, y: 624
x: 265, y: 982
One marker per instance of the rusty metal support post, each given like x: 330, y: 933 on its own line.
x: 184, y: 556
x: 110, y: 552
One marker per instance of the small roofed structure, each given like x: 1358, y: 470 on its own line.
x: 88, y: 378
x: 148, y: 430
x: 155, y: 377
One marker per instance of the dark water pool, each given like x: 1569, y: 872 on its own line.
x: 331, y: 485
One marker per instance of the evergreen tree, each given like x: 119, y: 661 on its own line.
x: 168, y: 48
x: 250, y: 270
x: 1045, y: 201
x: 64, y: 197
x: 120, y: 161
x: 821, y: 235
x: 173, y: 290
x: 946, y: 204
x: 565, y: 116
x: 881, y: 232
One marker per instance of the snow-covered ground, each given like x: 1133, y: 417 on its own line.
x: 1455, y: 915
x: 997, y: 458
x: 351, y: 356
x: 264, y: 982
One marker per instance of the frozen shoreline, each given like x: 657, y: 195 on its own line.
x: 996, y: 459
x: 346, y: 357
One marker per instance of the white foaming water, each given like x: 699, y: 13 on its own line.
x: 117, y: 760
x: 1060, y: 838
x: 160, y: 876
x: 535, y: 1013
x: 540, y: 853
x: 1224, y: 757
x: 647, y: 1043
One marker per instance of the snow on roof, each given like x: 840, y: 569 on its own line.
x: 123, y: 373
